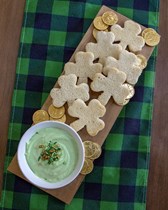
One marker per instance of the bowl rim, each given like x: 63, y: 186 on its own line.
x: 29, y: 174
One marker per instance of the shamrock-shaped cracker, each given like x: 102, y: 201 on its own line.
x: 128, y: 63
x: 69, y: 91
x: 84, y: 67
x: 128, y: 36
x: 112, y: 85
x: 104, y: 46
x: 88, y: 116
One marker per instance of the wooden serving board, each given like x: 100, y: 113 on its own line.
x: 67, y: 193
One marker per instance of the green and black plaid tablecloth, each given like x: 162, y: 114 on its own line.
x: 52, y: 29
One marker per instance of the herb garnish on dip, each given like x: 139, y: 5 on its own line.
x: 52, y: 154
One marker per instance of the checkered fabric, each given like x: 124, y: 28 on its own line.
x: 51, y: 31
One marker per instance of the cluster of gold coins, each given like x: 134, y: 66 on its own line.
x: 102, y: 23
x: 53, y: 113
x: 151, y: 37
x: 92, y: 152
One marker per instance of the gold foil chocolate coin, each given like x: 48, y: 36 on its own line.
x: 56, y: 112
x: 131, y: 91
x: 92, y: 150
x: 142, y: 61
x: 110, y: 18
x: 62, y: 119
x: 130, y: 95
x: 97, y: 151
x: 152, y: 38
x: 89, y: 149
x: 87, y: 166
x: 99, y: 24
x: 39, y: 116
x: 147, y: 30
x: 95, y: 32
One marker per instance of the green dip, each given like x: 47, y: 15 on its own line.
x: 63, y: 165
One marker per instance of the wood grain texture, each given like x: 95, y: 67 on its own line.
x: 157, y: 195
x: 11, y: 13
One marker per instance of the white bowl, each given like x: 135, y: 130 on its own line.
x: 29, y: 174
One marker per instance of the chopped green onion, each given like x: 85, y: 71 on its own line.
x: 50, y: 152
